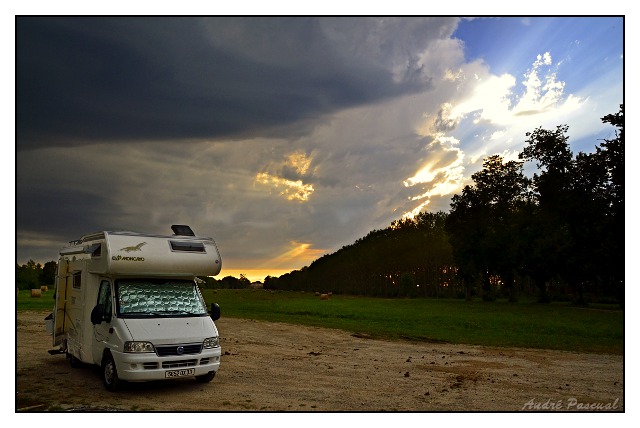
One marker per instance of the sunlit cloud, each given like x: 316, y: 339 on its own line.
x: 434, y: 166
x: 291, y: 190
x: 453, y: 76
x: 491, y: 119
x: 441, y: 175
x: 282, y: 177
x: 494, y: 100
x: 300, y: 162
x: 490, y: 98
x: 509, y: 155
x: 539, y: 95
x: 497, y: 135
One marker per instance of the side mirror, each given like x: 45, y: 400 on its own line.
x: 97, y: 314
x: 215, y: 312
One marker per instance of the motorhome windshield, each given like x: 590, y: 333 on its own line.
x: 153, y: 298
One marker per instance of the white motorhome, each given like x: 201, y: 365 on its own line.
x: 130, y: 303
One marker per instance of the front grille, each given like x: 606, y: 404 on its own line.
x: 150, y: 366
x: 204, y: 361
x: 181, y: 363
x: 173, y: 350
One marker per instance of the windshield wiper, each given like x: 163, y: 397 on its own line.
x: 161, y: 313
x: 180, y: 312
x: 144, y: 313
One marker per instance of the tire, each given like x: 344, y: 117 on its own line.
x: 110, y: 377
x: 75, y: 362
x: 206, y: 377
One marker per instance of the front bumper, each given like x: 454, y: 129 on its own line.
x: 134, y: 367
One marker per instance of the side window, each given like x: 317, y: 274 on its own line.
x: 77, y: 279
x: 104, y: 298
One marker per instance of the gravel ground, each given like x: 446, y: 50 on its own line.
x: 282, y: 367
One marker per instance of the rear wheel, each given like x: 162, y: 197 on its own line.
x: 110, y: 374
x: 206, y: 377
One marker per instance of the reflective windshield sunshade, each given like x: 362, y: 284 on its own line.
x: 159, y: 298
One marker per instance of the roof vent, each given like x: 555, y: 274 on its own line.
x: 182, y: 230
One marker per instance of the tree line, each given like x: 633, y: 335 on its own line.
x: 32, y: 275
x: 412, y: 257
x: 558, y: 235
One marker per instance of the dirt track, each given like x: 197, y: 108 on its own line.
x: 282, y: 367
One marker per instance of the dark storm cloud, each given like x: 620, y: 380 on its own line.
x: 274, y: 108
x: 109, y: 78
x: 92, y: 208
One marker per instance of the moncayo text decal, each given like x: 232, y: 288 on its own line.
x: 127, y: 259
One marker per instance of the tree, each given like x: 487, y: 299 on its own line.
x: 234, y: 283
x: 482, y: 224
x: 244, y: 281
x: 48, y: 275
x: 408, y: 285
x: 548, y: 239
x: 466, y: 226
x: 577, y: 222
x: 270, y: 283
x: 28, y: 275
x: 612, y: 154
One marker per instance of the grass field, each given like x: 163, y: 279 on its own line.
x: 527, y: 325
x: 27, y: 303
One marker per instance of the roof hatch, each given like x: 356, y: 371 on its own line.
x: 182, y: 230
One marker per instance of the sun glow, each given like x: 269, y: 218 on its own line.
x: 252, y: 275
x: 298, y: 254
x: 292, y: 257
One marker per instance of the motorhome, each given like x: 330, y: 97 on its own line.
x: 130, y: 303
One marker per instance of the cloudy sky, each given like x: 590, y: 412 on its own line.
x: 286, y: 138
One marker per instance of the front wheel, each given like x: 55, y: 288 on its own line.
x: 74, y: 361
x: 206, y: 377
x: 110, y: 374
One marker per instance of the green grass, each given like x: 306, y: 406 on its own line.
x: 527, y: 325
x: 27, y: 303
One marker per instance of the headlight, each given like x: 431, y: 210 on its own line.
x: 138, y: 347
x: 211, y: 342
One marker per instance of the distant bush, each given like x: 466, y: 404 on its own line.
x: 228, y: 282
x: 32, y: 275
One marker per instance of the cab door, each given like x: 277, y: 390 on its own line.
x: 102, y: 331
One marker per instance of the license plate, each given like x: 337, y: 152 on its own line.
x: 179, y: 373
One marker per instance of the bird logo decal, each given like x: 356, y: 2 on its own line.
x: 134, y: 248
